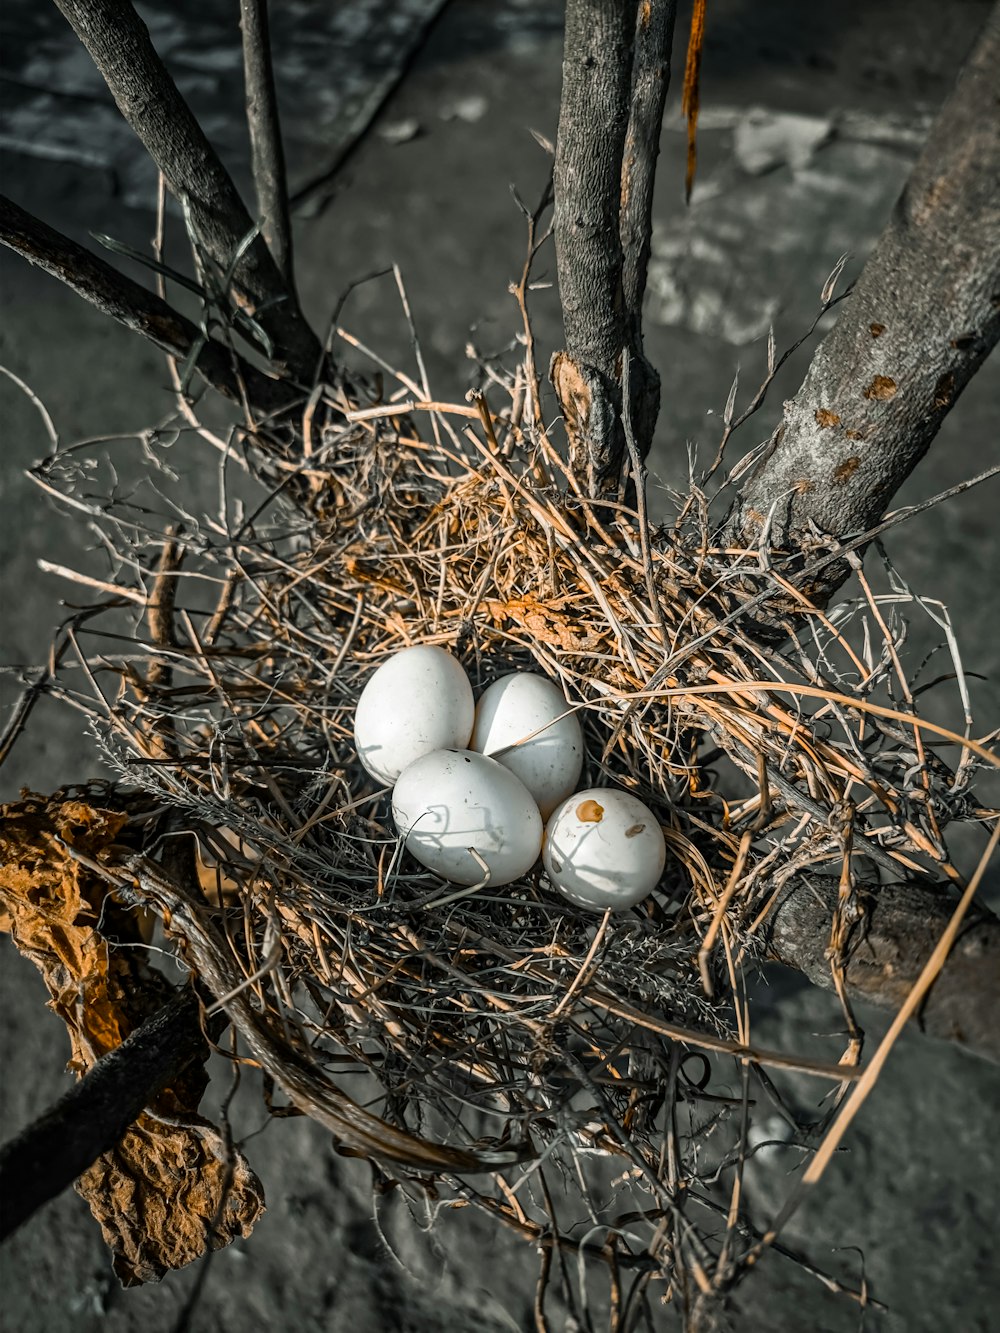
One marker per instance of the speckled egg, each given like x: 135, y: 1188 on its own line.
x: 603, y: 849
x: 520, y: 722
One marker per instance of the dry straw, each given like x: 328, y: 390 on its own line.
x: 510, y: 1045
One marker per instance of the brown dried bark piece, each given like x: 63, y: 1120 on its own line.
x: 172, y: 1187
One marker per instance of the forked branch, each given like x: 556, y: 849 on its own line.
x: 120, y: 47
x: 140, y: 310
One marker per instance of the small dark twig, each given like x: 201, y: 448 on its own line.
x: 137, y: 308
x: 266, y: 149
x: 90, y: 1119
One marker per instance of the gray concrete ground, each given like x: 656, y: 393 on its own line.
x: 812, y: 117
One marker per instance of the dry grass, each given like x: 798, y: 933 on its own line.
x: 607, y: 1059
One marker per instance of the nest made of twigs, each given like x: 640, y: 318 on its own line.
x: 483, y: 1029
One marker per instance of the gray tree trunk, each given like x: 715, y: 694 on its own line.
x: 919, y: 322
x: 616, y: 71
x: 593, y: 119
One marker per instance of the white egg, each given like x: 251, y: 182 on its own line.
x: 604, y: 848
x: 454, y: 800
x: 513, y: 709
x: 418, y: 701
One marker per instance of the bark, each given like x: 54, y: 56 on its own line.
x: 654, y: 35
x: 267, y: 152
x: 616, y: 71
x: 593, y: 119
x: 902, y: 923
x: 118, y: 43
x: 138, y: 309
x: 922, y: 317
x: 91, y: 1118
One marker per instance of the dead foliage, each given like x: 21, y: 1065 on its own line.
x: 172, y: 1187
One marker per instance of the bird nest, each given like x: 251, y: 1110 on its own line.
x: 502, y: 1042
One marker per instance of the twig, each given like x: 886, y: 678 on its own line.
x: 137, y: 308
x: 266, y: 148
x: 692, y: 89
x: 312, y: 197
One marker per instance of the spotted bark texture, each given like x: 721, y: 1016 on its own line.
x: 919, y: 322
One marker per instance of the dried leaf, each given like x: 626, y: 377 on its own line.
x: 167, y: 1193
x: 170, y: 1189
x: 546, y: 622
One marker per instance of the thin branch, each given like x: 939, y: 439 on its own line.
x: 692, y: 91
x: 137, y: 308
x: 266, y: 149
x: 119, y: 45
x: 654, y: 35
x: 91, y: 1118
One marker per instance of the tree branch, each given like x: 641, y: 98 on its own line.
x: 888, y: 949
x: 91, y: 1118
x: 148, y: 98
x: 266, y: 149
x: 920, y: 321
x: 654, y: 36
x: 138, y: 309
x: 593, y: 119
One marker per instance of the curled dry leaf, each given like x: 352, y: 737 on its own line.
x: 172, y: 1188
x: 169, y: 1192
